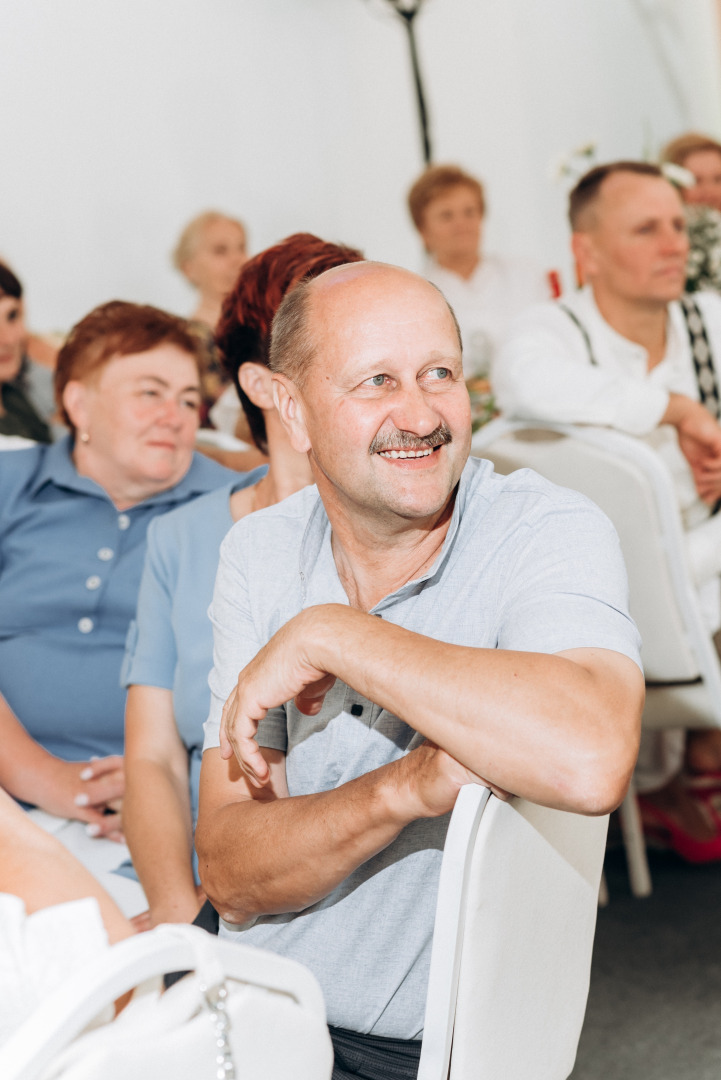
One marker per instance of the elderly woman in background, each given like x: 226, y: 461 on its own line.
x: 72, y: 543
x: 210, y: 253
x: 701, y: 155
x: 170, y: 651
x: 448, y: 209
x: 26, y: 396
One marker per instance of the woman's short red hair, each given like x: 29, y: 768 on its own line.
x: 243, y: 332
x: 119, y: 328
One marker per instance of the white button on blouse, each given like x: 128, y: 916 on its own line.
x: 105, y: 554
x: 85, y: 625
x: 123, y: 521
x: 93, y: 582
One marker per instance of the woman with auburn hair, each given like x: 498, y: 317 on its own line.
x: 72, y: 542
x: 448, y: 208
x: 170, y: 647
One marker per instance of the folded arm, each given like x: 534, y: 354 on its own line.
x: 264, y: 852
x: 561, y: 730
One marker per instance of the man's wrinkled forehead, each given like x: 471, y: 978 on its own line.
x: 345, y: 295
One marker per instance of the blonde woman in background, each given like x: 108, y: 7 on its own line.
x: 209, y: 254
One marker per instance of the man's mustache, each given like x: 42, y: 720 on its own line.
x: 406, y: 440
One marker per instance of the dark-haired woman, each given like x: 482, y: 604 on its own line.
x: 26, y: 400
x: 170, y: 649
x: 72, y: 541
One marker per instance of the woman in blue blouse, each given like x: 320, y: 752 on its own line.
x: 72, y: 542
x: 170, y: 652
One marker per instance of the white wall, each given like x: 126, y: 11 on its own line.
x: 123, y: 118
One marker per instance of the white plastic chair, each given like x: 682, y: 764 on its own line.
x: 512, y: 943
x: 632, y: 485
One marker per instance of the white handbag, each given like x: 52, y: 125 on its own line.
x: 242, y: 1012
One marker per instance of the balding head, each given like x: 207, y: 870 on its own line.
x: 295, y: 341
x: 368, y: 380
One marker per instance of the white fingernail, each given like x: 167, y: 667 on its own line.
x: 92, y: 830
x: 86, y: 774
x: 81, y: 800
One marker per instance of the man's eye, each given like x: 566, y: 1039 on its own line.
x: 191, y: 403
x: 440, y: 373
x: 376, y: 380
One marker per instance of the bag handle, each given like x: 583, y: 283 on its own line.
x: 172, y: 947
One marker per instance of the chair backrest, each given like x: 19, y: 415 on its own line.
x: 631, y: 484
x: 512, y: 942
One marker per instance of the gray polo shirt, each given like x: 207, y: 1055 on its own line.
x: 525, y: 565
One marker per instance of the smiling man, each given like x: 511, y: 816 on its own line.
x: 628, y: 351
x: 411, y: 624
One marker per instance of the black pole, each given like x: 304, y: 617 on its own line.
x: 408, y: 18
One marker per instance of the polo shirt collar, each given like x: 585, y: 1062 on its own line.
x: 58, y: 468
x: 320, y: 582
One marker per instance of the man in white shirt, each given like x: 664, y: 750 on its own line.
x: 620, y: 353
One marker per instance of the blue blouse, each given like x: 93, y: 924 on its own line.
x: 170, y: 643
x: 70, y: 566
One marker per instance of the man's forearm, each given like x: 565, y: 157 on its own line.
x: 271, y: 856
x: 534, y: 724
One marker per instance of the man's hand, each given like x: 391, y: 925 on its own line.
x: 428, y: 781
x: 280, y: 672
x: 699, y: 437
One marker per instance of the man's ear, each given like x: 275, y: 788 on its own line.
x: 584, y: 251
x: 289, y: 404
x: 75, y: 400
x: 256, y: 383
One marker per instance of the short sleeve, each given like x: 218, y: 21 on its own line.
x: 150, y: 648
x: 568, y: 589
x: 236, y: 640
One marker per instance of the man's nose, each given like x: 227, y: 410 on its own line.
x: 415, y: 411
x: 674, y: 241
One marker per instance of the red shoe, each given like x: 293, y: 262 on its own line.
x: 688, y: 847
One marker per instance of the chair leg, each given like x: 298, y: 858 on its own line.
x: 638, y: 871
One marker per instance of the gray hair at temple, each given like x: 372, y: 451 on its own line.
x: 292, y: 345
